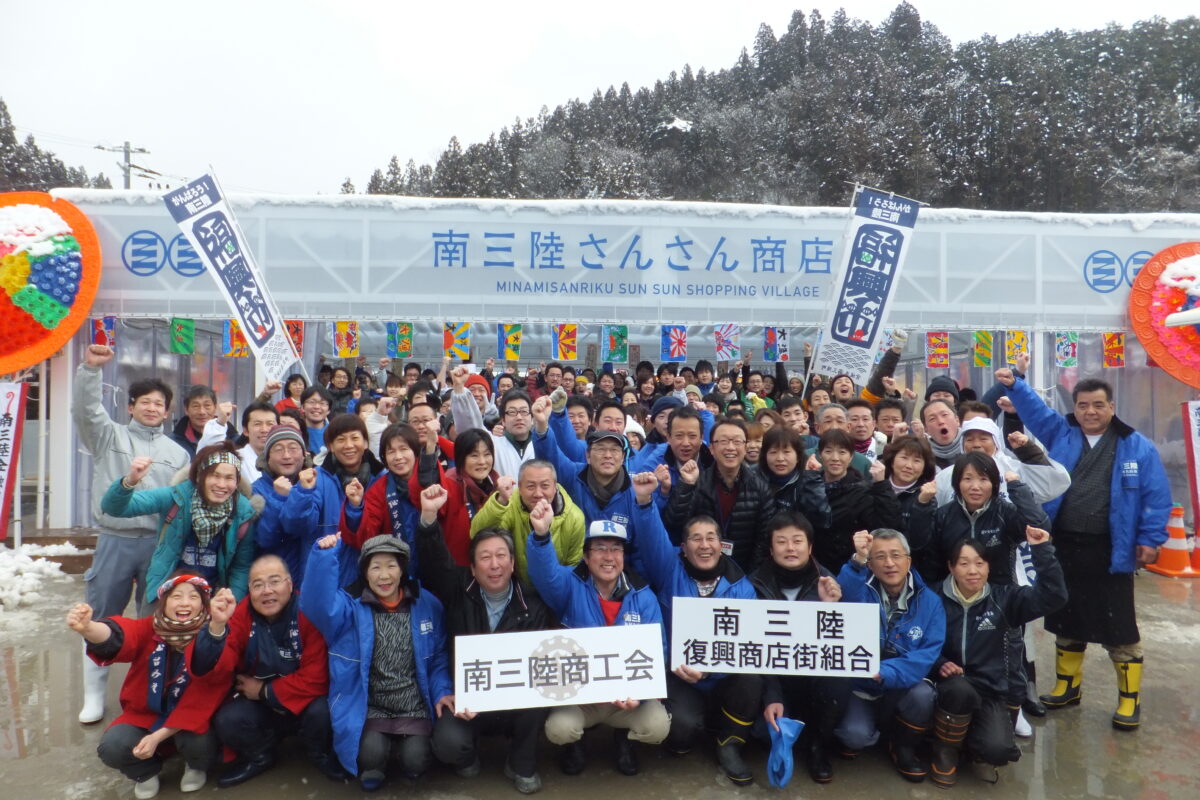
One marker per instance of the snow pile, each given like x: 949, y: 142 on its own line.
x: 21, y: 578
x: 1184, y: 274
x: 66, y: 549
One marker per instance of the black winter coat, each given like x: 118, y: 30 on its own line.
x: 465, y: 610
x: 857, y: 506
x: 805, y: 493
x: 1000, y: 526
x: 976, y: 635
x: 746, y: 527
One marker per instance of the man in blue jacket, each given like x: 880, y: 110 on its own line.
x: 699, y: 569
x: 912, y: 629
x: 595, y: 593
x: 1109, y: 523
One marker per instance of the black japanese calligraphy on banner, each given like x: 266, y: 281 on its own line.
x: 12, y: 422
x: 499, y: 671
x: 879, y: 238
x: 776, y: 637
x: 203, y: 215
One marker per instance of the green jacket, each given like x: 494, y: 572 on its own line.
x: 566, y: 531
x: 233, y: 559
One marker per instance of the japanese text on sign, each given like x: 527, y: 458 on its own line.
x: 561, y: 667
x: 204, y: 217
x: 776, y: 637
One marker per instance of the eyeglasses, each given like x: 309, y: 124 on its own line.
x: 517, y: 413
x: 883, y: 558
x: 729, y: 442
x: 274, y: 582
x: 608, y: 548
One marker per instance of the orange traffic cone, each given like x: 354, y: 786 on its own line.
x: 1173, y: 558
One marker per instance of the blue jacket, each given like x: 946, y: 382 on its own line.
x: 1140, y: 497
x: 348, y: 626
x: 572, y: 477
x: 234, y: 557
x: 572, y: 597
x: 312, y: 513
x: 914, y: 639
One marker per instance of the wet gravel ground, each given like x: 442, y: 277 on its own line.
x: 46, y: 753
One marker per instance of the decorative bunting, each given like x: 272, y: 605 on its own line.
x: 983, y: 349
x: 234, y: 341
x: 1114, y: 348
x: 399, y: 339
x: 104, y: 331
x: 183, y: 336
x: 728, y: 341
x: 1015, y: 343
x: 345, y: 339
x: 673, y: 343
x: 565, y: 341
x: 775, y: 345
x: 456, y: 340
x: 937, y: 350
x: 508, y: 342
x: 614, y: 344
x: 295, y: 332
x: 1066, y: 349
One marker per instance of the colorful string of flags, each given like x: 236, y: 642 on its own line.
x: 614, y: 342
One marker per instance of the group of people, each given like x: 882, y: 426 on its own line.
x: 309, y: 571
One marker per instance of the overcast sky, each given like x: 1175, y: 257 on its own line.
x: 296, y: 96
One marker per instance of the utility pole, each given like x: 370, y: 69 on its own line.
x: 128, y: 151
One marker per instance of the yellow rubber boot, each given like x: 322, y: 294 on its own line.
x: 1068, y: 668
x: 1129, y: 685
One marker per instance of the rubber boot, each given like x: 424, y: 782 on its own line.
x: 1032, y: 706
x: 905, y: 741
x: 949, y: 731
x: 1129, y: 684
x: 1068, y: 668
x: 731, y: 737
x: 95, y: 687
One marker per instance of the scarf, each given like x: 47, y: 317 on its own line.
x: 207, y: 520
x: 393, y: 504
x: 517, y: 445
x: 177, y: 634
x: 250, y: 657
x: 475, y: 493
x: 794, y: 578
x: 702, y: 575
x: 864, y: 446
x: 365, y: 472
x: 946, y: 453
x: 603, y: 492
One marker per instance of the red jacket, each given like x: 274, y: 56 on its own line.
x: 294, y: 692
x: 200, y: 700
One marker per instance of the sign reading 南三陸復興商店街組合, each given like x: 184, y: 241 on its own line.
x: 775, y: 637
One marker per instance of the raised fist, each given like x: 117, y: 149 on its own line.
x: 97, y: 355
x: 138, y: 469
x: 663, y: 473
x: 541, y: 413
x: 828, y: 589
x: 385, y: 406
x: 505, y: 485
x: 1036, y: 535
x: 928, y: 492
x: 862, y: 544
x: 1005, y: 376
x: 644, y: 484
x: 79, y: 617
x: 222, y: 606
x: 283, y: 486
x: 354, y: 493
x: 689, y: 473
x: 433, y: 497
x: 224, y: 412
x: 1016, y: 440
x: 308, y: 478
x: 326, y: 542
x: 458, y: 377
x: 878, y: 471
x: 541, y: 517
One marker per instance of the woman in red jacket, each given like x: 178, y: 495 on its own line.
x: 160, y: 700
x: 469, y: 484
x: 387, y: 507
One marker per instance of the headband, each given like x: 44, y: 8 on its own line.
x: 194, y: 580
x: 222, y: 457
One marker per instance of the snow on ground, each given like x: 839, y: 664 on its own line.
x: 66, y: 549
x: 22, y: 577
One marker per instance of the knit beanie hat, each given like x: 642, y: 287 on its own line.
x: 478, y: 380
x: 283, y: 433
x: 943, y: 384
x: 664, y: 403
